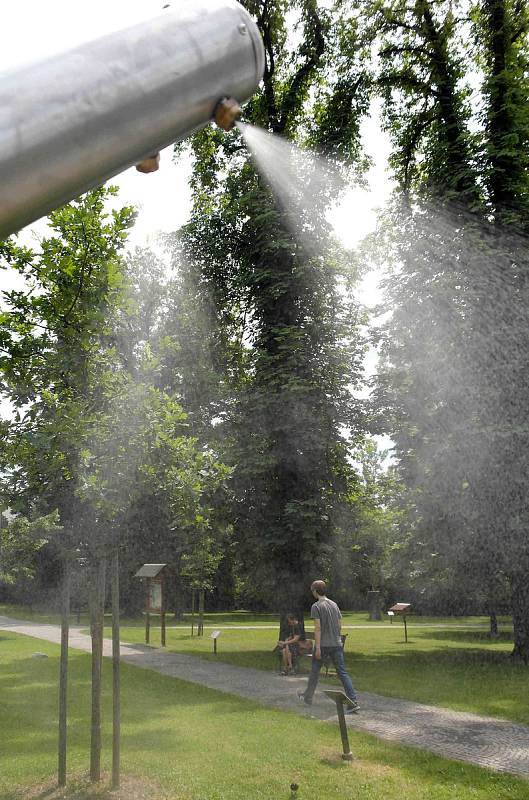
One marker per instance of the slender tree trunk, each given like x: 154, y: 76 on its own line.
x: 493, y: 633
x: 520, y: 617
x: 200, y: 627
x: 493, y: 625
x: 63, y: 676
x: 116, y: 708
x: 491, y: 607
x: 96, y: 625
x: 178, y: 594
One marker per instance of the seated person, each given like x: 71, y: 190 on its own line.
x: 293, y: 645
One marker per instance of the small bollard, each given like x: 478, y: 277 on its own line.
x: 340, y: 699
x: 215, y: 635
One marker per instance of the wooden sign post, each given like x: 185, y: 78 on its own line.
x: 340, y: 699
x: 155, y: 600
x: 401, y: 609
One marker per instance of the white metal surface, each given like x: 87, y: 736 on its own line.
x: 75, y: 120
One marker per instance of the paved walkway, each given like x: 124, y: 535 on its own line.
x: 486, y: 741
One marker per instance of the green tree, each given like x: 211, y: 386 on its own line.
x: 20, y: 541
x: 376, y: 522
x: 179, y: 512
x: 285, y: 319
x: 56, y: 360
x: 453, y: 388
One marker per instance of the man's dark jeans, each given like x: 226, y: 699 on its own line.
x: 336, y: 656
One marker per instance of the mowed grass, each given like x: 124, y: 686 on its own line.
x: 449, y: 666
x: 198, y: 744
x: 245, y: 618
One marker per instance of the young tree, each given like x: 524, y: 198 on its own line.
x: 57, y: 371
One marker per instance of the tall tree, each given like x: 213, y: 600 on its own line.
x: 453, y: 385
x: 290, y: 328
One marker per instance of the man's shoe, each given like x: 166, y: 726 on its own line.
x: 301, y: 696
x: 353, y: 707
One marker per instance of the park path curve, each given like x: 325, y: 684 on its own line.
x: 486, y: 741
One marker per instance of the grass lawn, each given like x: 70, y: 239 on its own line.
x: 198, y: 744
x: 244, y: 618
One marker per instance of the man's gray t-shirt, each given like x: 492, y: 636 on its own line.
x: 329, y: 615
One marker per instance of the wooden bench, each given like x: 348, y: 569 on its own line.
x: 309, y: 636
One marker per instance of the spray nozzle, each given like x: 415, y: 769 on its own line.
x: 227, y: 112
x: 149, y: 164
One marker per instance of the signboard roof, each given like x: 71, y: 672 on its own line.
x: 400, y: 607
x: 149, y: 570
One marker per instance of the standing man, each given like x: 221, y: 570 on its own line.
x: 327, y: 643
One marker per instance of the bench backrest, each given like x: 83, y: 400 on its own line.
x: 310, y: 635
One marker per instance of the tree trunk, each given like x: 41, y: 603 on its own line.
x: 200, y: 626
x: 493, y: 625
x: 116, y: 710
x: 63, y: 677
x: 373, y: 603
x: 520, y: 617
x: 96, y: 630
x: 178, y: 597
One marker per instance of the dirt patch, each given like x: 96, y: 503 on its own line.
x: 373, y: 770
x: 332, y: 758
x: 82, y: 789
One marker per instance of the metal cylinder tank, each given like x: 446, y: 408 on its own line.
x: 75, y: 120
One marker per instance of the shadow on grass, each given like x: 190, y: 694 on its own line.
x: 439, y: 658
x: 482, y: 638
x: 82, y: 789
x: 213, y: 619
x: 412, y: 654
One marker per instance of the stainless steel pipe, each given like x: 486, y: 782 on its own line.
x: 73, y: 121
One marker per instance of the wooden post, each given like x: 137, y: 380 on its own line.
x: 63, y: 675
x: 116, y: 711
x: 339, y: 698
x: 162, y: 613
x: 178, y: 591
x: 405, y: 629
x: 97, y: 612
x: 346, y: 755
x: 200, y: 627
x: 101, y: 611
x: 147, y: 617
x: 192, y: 612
